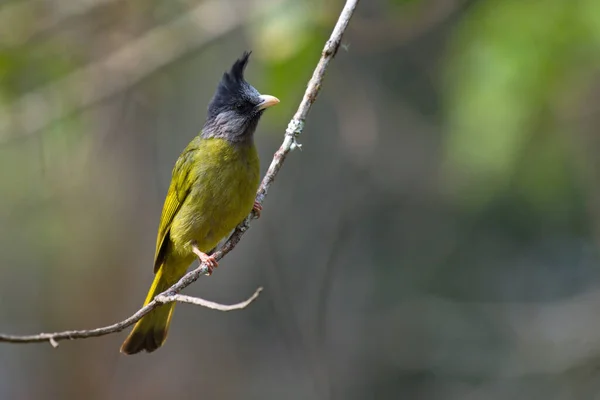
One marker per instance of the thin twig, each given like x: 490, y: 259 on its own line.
x: 294, y: 129
x: 180, y: 298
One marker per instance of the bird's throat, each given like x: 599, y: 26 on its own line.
x: 231, y: 127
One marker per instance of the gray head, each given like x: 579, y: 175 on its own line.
x: 236, y: 107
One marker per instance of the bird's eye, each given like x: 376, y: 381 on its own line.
x: 239, y: 107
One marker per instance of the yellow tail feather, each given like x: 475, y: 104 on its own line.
x: 150, y: 332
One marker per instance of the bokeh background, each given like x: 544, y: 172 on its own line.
x: 437, y: 238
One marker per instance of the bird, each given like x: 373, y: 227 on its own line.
x: 213, y: 187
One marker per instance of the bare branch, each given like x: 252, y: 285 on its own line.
x: 163, y: 298
x: 180, y: 298
x: 294, y: 129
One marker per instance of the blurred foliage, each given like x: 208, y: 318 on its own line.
x: 289, y: 41
x: 510, y: 65
x: 29, y: 66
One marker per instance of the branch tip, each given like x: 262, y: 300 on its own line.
x: 295, y: 145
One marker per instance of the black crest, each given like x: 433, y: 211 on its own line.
x: 231, y: 88
x: 234, y: 78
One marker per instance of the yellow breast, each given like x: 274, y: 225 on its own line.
x: 224, y: 179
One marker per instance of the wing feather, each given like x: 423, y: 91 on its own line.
x: 176, y: 196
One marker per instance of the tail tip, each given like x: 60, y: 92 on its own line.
x: 143, y: 341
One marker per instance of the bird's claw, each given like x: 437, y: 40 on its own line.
x: 210, y: 261
x: 257, y: 208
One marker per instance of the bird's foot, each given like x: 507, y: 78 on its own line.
x: 257, y: 208
x: 210, y: 261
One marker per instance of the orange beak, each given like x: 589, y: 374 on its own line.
x: 267, y: 101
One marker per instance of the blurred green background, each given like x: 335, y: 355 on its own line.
x: 437, y: 237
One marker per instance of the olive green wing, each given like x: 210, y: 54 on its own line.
x: 179, y: 189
